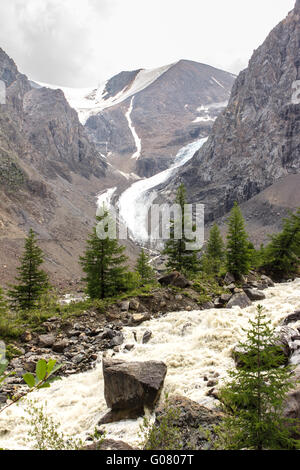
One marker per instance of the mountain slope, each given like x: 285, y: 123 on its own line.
x: 140, y: 119
x: 256, y: 140
x: 50, y: 174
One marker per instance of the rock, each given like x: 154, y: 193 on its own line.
x: 163, y: 304
x: 108, y: 444
x: 138, y: 318
x: 207, y: 305
x: 78, y: 358
x: 132, y: 385
x: 46, y: 341
x: 240, y: 300
x: 254, y: 294
x: 60, y: 346
x: 267, y: 280
x: 26, y: 336
x: 225, y: 298
x: 193, y: 420
x: 124, y: 306
x: 229, y: 279
x: 175, y: 279
x: 117, y: 340
x: 129, y: 347
x: 29, y: 365
x: 293, y: 317
x: 178, y: 297
x: 147, y: 336
x: 114, y: 416
x: 134, y: 305
x: 108, y: 333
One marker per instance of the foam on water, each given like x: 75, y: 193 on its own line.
x: 192, y: 344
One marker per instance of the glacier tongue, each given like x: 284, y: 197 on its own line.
x: 135, y: 202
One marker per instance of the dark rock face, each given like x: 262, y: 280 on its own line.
x: 256, y: 140
x: 132, y: 385
x: 254, y: 294
x: 293, y: 317
x: 177, y: 108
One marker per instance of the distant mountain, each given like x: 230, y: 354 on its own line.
x: 256, y: 140
x: 140, y: 119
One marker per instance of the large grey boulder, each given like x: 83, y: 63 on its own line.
x: 254, y: 294
x: 175, y: 279
x: 132, y: 385
x: 239, y: 300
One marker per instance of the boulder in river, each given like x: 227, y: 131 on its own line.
x: 239, y: 300
x: 132, y: 385
x: 254, y: 294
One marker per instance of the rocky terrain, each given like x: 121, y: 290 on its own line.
x: 140, y: 119
x: 255, y: 142
x: 50, y: 175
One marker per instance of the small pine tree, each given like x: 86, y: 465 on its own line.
x: 255, y: 394
x: 215, y: 253
x: 103, y: 264
x: 144, y: 269
x: 281, y: 256
x: 32, y: 281
x: 179, y: 258
x: 237, y: 249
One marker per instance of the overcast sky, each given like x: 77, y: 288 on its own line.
x: 80, y: 43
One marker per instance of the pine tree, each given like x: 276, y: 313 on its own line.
x: 32, y: 281
x: 144, y: 269
x: 215, y: 252
x: 103, y: 264
x: 179, y: 258
x: 283, y: 253
x: 237, y: 249
x: 254, y: 396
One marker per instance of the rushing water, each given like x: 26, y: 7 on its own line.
x: 192, y: 344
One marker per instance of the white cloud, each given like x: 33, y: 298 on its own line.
x: 82, y: 42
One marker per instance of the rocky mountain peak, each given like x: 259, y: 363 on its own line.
x: 256, y: 140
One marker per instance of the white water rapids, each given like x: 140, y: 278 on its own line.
x: 192, y: 344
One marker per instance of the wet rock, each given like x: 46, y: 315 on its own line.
x: 114, y: 416
x: 240, y: 300
x: 266, y: 280
x: 207, y: 305
x: 138, y: 318
x: 254, y: 294
x: 109, y: 444
x: 129, y: 347
x: 132, y: 385
x: 117, y: 340
x: 293, y: 317
x: 224, y: 298
x: 147, y: 336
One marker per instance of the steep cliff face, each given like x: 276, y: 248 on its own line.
x: 50, y: 174
x: 256, y: 140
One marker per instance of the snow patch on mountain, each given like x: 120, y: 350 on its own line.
x: 137, y: 140
x: 91, y: 101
